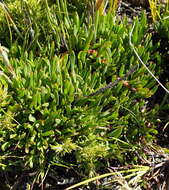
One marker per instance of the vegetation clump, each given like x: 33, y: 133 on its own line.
x: 54, y: 61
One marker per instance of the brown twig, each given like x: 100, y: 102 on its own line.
x: 112, y: 84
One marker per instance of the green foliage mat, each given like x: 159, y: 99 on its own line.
x: 58, y: 59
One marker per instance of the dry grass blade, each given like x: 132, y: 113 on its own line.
x: 4, y: 54
x: 130, y: 173
x: 3, y: 6
x: 140, y: 60
x: 98, y: 4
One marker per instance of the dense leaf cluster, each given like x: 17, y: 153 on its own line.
x: 60, y: 58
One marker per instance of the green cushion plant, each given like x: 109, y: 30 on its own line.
x: 46, y: 113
